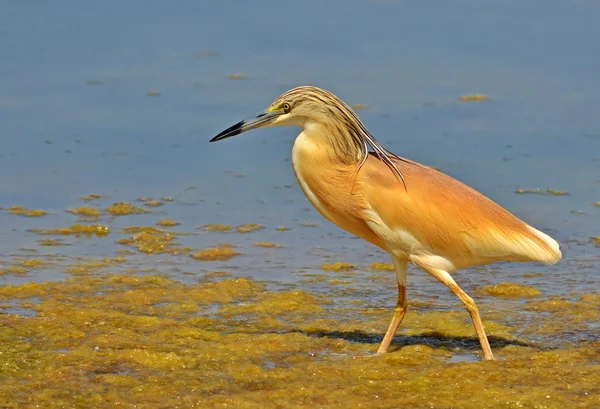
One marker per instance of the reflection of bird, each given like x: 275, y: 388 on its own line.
x: 412, y: 211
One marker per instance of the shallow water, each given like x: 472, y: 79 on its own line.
x: 120, y: 100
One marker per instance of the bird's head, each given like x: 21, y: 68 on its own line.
x: 298, y: 106
x: 330, y: 119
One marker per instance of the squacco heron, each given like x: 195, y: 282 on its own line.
x: 416, y: 213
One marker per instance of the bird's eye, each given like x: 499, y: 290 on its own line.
x: 286, y: 107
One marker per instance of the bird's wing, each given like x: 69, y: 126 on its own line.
x: 450, y: 218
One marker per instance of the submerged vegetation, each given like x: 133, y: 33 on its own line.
x: 216, y: 227
x: 337, y: 266
x: 236, y: 76
x: 215, y: 253
x: 91, y: 196
x: 473, y: 97
x: 21, y: 211
x: 98, y: 230
x: 124, y: 209
x: 247, y: 228
x: 167, y: 223
x: 156, y: 342
x: 382, y: 266
x: 163, y: 323
x: 510, y: 290
x: 540, y: 191
x: 85, y: 212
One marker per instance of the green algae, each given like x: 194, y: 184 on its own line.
x: 215, y: 254
x: 552, y: 304
x: 559, y: 317
x: 78, y: 230
x: 151, y: 240
x: 52, y: 242
x: 140, y: 229
x: 337, y: 281
x: 153, y: 203
x: 32, y: 263
x: 538, y: 274
x: 510, y: 290
x: 247, y: 228
x: 104, y: 340
x: 92, y: 266
x: 337, y: 266
x: 236, y: 76
x: 456, y: 323
x: 381, y: 266
x: 212, y: 275
x: 85, y: 212
x: 22, y: 267
x: 91, y: 196
x: 216, y: 227
x: 295, y: 302
x: 167, y: 223
x: 21, y: 211
x: 150, y: 341
x: 15, y: 270
x: 473, y: 97
x: 539, y: 191
x: 266, y: 244
x: 124, y: 209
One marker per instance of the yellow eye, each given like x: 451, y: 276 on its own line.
x: 286, y: 107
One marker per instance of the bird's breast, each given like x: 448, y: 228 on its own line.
x: 313, y: 173
x: 330, y: 187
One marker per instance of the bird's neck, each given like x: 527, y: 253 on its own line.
x: 340, y: 143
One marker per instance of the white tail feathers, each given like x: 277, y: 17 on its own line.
x: 548, y: 251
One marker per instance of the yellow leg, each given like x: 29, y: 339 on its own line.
x: 401, y: 267
x: 447, y: 279
x: 474, y: 312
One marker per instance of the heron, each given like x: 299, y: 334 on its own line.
x: 414, y: 212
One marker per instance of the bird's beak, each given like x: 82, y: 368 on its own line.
x: 261, y: 120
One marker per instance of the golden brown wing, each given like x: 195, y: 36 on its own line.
x: 444, y: 214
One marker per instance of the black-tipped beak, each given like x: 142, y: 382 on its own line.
x: 262, y: 119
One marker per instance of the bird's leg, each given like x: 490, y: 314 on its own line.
x: 474, y: 312
x: 401, y: 267
x: 447, y: 279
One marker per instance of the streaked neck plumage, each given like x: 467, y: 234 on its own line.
x: 342, y: 146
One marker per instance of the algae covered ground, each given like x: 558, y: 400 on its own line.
x: 149, y: 341
x: 120, y: 331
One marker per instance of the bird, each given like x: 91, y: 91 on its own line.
x: 416, y: 213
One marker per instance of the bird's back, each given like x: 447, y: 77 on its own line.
x: 449, y: 218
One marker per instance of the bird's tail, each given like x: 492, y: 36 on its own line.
x: 541, y: 247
